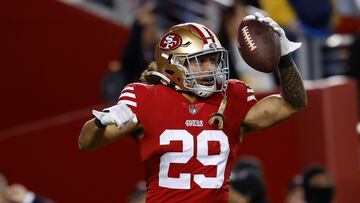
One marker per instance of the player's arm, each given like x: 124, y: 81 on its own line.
x: 107, y: 126
x: 276, y: 108
x: 93, y: 137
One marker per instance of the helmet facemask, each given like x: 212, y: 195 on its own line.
x: 179, y: 56
x: 199, y: 80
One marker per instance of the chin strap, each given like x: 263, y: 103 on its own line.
x: 219, y: 115
x: 165, y: 80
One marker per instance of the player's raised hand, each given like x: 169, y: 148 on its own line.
x: 119, y: 114
x: 286, y: 45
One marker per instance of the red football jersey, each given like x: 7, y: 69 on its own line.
x: 186, y: 159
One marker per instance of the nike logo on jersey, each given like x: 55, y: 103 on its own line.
x: 194, y: 123
x: 192, y: 109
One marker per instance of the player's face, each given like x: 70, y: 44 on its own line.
x: 202, y: 65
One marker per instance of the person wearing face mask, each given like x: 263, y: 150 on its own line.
x: 318, y: 185
x: 247, y: 182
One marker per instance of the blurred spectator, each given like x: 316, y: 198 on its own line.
x: 17, y: 193
x: 295, y: 191
x: 138, y: 53
x: 113, y: 82
x: 232, y: 16
x: 315, y: 16
x: 138, y: 194
x: 315, y: 185
x: 318, y: 185
x: 281, y: 11
x: 247, y: 183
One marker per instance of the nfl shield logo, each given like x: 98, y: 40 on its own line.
x: 192, y: 109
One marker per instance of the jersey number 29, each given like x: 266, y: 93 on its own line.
x: 202, y: 155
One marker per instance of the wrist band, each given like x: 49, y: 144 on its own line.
x: 98, y: 123
x: 285, y: 61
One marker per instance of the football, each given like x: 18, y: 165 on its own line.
x: 259, y: 45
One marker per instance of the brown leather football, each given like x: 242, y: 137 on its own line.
x: 259, y: 45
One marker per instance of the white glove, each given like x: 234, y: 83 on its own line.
x: 119, y: 114
x: 286, y: 45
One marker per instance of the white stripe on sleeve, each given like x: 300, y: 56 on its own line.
x: 127, y: 94
x: 128, y: 102
x: 128, y: 88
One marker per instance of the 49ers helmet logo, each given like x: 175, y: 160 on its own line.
x: 170, y: 42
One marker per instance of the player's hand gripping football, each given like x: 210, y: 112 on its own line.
x: 286, y: 45
x: 119, y: 114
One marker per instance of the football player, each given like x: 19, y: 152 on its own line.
x: 188, y: 117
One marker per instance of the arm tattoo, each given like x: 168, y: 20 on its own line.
x: 293, y: 90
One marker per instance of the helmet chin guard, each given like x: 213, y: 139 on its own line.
x: 203, y: 91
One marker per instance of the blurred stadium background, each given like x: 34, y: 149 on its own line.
x: 55, y: 56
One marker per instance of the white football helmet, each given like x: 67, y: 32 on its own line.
x: 190, y: 43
